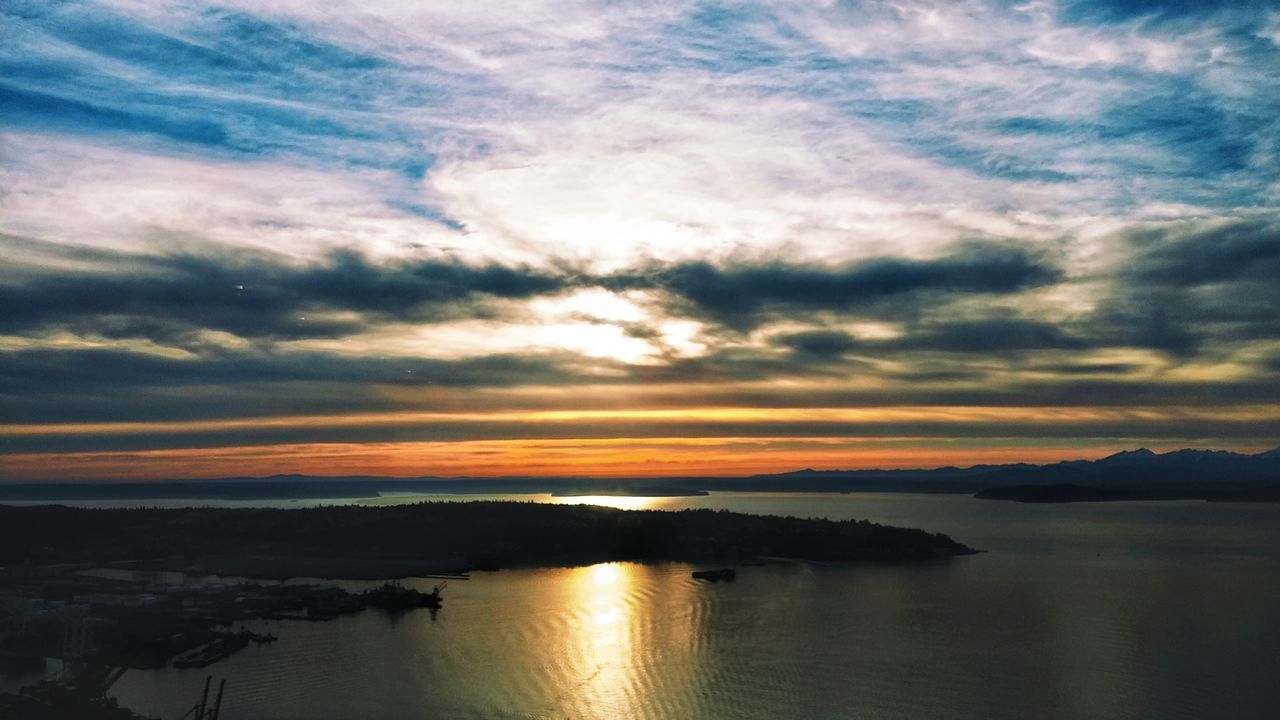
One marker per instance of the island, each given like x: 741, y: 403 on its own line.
x: 375, y: 542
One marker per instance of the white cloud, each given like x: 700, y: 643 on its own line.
x: 607, y: 135
x: 67, y: 190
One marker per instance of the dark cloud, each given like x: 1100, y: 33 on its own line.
x: 93, y: 369
x: 415, y: 288
x: 928, y: 351
x: 820, y: 343
x: 1195, y: 286
x: 1193, y: 254
x: 1069, y: 368
x: 438, y: 430
x: 102, y: 385
x: 734, y: 364
x: 170, y: 298
x: 973, y: 385
x: 744, y: 295
x: 990, y: 336
x: 1187, y: 288
x: 65, y: 385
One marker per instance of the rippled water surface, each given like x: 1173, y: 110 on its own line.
x: 1124, y: 610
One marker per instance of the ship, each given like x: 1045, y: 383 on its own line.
x: 394, y: 596
x: 717, y: 574
x: 213, y: 651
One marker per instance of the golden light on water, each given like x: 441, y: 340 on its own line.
x: 630, y: 649
x: 606, y: 640
x: 605, y: 574
x: 621, y: 502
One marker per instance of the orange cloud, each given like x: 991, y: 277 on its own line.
x: 623, y: 457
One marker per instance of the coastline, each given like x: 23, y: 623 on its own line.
x: 376, y: 542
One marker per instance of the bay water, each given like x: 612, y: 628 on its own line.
x: 1077, y: 611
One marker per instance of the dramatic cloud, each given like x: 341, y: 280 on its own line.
x: 215, y: 211
x: 1192, y: 286
x: 992, y: 337
x: 739, y: 294
x: 170, y: 298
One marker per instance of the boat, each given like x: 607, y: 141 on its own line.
x: 213, y: 651
x: 716, y: 574
x: 394, y: 596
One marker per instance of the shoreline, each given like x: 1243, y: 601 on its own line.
x: 376, y: 542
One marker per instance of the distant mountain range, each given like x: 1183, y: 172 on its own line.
x: 1133, y: 474
x: 1124, y: 467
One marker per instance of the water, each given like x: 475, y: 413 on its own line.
x: 1122, y: 610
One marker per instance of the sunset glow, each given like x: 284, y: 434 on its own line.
x: 250, y: 238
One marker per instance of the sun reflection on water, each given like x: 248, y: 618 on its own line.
x: 621, y: 502
x: 607, y: 639
x: 605, y: 573
x: 630, y: 649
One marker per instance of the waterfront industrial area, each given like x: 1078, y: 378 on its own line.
x: 96, y: 623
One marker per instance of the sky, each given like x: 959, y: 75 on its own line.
x: 569, y: 237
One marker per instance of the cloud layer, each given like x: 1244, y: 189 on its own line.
x: 285, y: 215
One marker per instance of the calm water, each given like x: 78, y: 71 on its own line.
x: 1126, y: 610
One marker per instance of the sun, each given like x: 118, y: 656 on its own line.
x: 606, y: 574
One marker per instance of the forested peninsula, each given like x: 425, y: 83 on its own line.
x: 434, y: 537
